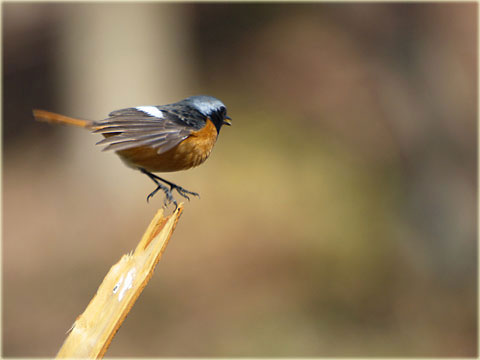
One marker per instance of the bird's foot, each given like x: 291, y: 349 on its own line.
x: 183, y: 192
x: 168, y: 195
x: 168, y: 192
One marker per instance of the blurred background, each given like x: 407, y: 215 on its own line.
x: 337, y: 215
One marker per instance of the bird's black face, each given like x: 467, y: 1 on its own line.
x: 219, y: 117
x: 209, y: 107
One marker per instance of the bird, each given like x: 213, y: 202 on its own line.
x: 160, y: 138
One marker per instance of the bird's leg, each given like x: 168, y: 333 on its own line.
x: 183, y: 192
x: 168, y: 192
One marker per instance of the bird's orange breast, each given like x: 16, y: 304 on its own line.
x: 191, y: 152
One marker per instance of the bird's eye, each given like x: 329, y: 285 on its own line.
x: 223, y: 110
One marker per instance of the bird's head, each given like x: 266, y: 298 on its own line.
x: 210, y: 107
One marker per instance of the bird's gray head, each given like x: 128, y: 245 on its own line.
x: 205, y: 104
x: 210, y: 107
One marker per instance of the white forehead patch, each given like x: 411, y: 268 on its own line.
x: 151, y: 110
x: 205, y: 104
x: 208, y: 108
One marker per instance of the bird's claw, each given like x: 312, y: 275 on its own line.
x: 183, y: 192
x: 168, y: 192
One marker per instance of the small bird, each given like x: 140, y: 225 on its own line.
x: 161, y: 138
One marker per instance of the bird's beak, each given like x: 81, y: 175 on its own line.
x: 227, y: 121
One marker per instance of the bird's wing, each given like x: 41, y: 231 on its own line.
x: 155, y: 126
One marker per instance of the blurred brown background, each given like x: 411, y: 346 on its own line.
x: 337, y: 216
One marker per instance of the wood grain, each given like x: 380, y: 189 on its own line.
x: 94, y: 330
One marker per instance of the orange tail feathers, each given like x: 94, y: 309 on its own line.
x: 50, y: 117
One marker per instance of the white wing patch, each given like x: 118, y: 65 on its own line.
x: 151, y: 110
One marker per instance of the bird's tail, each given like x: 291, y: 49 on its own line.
x: 50, y: 117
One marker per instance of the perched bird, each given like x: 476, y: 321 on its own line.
x: 160, y: 138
